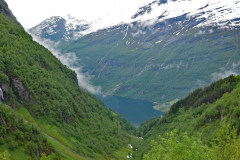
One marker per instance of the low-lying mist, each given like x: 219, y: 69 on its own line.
x: 72, y: 62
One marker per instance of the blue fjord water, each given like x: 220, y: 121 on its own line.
x: 135, y: 111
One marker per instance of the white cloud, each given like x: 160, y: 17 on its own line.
x: 32, y: 12
x: 138, y: 33
x: 223, y: 74
x: 201, y: 83
x: 199, y: 33
x: 235, y: 65
x: 72, y: 61
x: 149, y: 22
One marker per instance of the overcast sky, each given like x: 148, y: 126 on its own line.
x: 31, y: 12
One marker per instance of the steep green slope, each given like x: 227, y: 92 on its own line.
x: 201, y: 112
x: 21, y: 139
x: 31, y: 77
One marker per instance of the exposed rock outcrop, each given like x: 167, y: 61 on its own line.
x: 21, y: 91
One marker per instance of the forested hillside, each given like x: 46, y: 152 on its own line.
x: 46, y: 94
x: 210, y: 115
x: 20, y: 139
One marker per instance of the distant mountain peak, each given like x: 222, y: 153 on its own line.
x: 61, y: 28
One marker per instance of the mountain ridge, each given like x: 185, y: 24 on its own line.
x: 212, y: 13
x: 61, y: 28
x: 208, y: 13
x: 4, y: 9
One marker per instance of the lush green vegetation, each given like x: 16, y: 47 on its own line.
x: 46, y: 93
x: 225, y: 146
x: 20, y: 139
x: 165, y: 106
x: 199, y: 113
x: 188, y: 148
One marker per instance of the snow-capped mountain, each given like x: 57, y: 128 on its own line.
x: 221, y: 13
x: 68, y: 28
x: 61, y: 28
x: 209, y: 12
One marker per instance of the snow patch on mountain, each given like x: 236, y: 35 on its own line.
x: 213, y: 12
x: 67, y: 27
x: 49, y: 23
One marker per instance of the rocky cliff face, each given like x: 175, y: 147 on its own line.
x: 15, y: 88
x: 21, y: 91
